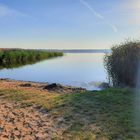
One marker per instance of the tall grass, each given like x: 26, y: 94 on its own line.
x: 15, y: 57
x: 122, y: 63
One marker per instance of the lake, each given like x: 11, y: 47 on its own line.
x: 75, y: 69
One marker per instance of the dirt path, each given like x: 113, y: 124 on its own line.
x: 24, y: 123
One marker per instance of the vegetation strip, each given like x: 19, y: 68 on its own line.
x: 16, y: 57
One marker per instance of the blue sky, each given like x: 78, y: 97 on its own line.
x: 68, y: 24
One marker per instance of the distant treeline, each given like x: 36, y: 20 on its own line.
x: 18, y: 57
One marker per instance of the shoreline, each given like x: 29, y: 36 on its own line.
x: 46, y: 86
x: 99, y: 86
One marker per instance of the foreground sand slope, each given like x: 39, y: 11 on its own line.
x: 18, y: 122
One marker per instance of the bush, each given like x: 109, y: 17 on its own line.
x: 122, y: 64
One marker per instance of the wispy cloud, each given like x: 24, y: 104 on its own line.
x: 91, y: 9
x: 5, y: 11
x: 98, y: 15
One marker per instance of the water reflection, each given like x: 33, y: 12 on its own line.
x: 71, y: 69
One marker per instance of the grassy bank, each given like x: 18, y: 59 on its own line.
x: 17, y: 57
x: 105, y: 115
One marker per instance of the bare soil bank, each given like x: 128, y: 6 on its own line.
x: 44, y: 87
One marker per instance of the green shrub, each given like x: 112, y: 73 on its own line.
x: 122, y: 64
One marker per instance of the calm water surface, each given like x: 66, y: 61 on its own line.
x: 72, y: 69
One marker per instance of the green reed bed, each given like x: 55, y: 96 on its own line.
x: 17, y: 57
